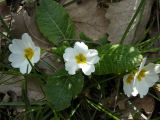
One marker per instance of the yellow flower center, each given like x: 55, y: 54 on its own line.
x: 28, y: 53
x: 129, y: 79
x: 141, y: 74
x: 80, y: 58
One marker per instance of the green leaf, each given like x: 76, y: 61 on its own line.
x: 103, y: 40
x: 62, y: 87
x: 54, y: 22
x: 117, y: 59
x: 60, y: 50
x: 83, y: 36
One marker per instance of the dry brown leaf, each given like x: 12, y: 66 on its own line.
x: 128, y: 111
x: 88, y: 18
x: 14, y: 83
x: 147, y: 104
x: 120, y: 14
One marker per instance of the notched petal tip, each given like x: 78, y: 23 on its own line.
x: 71, y: 67
x: 88, y: 69
x: 68, y: 54
x: 157, y: 68
x: 81, y: 47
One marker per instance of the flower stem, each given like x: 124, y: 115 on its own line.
x: 25, y: 98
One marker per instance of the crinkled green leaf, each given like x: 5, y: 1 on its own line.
x: 117, y: 59
x: 54, y: 22
x: 62, y: 87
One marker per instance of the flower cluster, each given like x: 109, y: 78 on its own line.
x: 140, y: 81
x: 24, y: 54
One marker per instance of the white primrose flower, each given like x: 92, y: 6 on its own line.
x: 80, y: 57
x: 140, y: 81
x: 23, y: 51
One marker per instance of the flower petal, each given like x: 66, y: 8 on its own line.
x: 27, y: 40
x: 87, y: 69
x: 151, y: 75
x: 150, y: 67
x: 17, y: 46
x: 157, y: 68
x: 142, y: 63
x: 142, y: 87
x: 36, y: 56
x: 140, y: 68
x: 92, y: 56
x: 16, y: 59
x: 151, y: 79
x: 71, y: 67
x: 80, y: 47
x: 127, y: 88
x: 25, y: 68
x: 69, y: 54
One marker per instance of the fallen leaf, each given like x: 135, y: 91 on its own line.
x: 120, y: 15
x: 147, y: 104
x: 130, y: 107
x: 14, y: 83
x: 88, y: 18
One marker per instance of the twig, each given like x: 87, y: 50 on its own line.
x: 25, y: 97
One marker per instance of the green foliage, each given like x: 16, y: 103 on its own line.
x: 54, y: 22
x: 83, y: 36
x: 62, y: 87
x: 60, y: 50
x: 117, y: 59
x: 103, y: 40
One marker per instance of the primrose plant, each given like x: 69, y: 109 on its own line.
x: 79, y: 62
